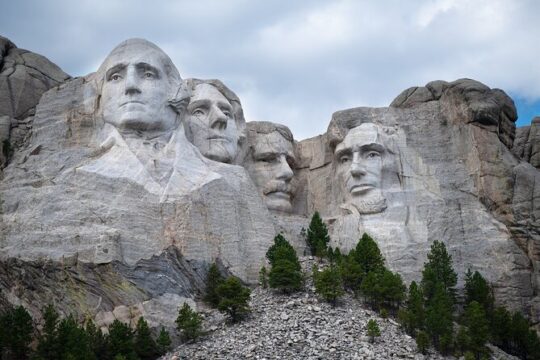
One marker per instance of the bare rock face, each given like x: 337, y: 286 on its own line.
x: 527, y: 143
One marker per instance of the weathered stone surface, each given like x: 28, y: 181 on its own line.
x: 527, y: 143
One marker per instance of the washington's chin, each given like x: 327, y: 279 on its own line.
x: 139, y: 120
x: 278, y: 201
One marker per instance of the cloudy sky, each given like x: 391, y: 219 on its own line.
x: 296, y: 62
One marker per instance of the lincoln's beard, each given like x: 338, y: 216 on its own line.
x: 369, y: 204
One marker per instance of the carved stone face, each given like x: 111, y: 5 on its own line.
x: 269, y: 166
x: 210, y: 124
x: 359, y: 168
x: 135, y: 89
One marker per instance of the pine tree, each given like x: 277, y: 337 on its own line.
x: 477, y: 289
x: 422, y: 342
x: 439, y: 323
x: 73, y: 340
x: 282, y: 250
x: 412, y: 318
x: 48, y: 347
x: 368, y: 255
x: 351, y: 273
x: 189, y: 323
x: 317, y: 236
x: 121, y: 340
x: 501, y: 328
x: 477, y: 328
x: 234, y: 298
x: 213, y: 280
x: 263, y: 277
x: 383, y: 288
x: 97, y: 340
x: 163, y: 341
x: 462, y: 340
x: 18, y: 330
x: 145, y: 346
x: 373, y: 330
x: 328, y: 284
x: 285, y: 276
x: 437, y: 270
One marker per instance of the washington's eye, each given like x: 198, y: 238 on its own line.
x: 149, y: 75
x: 372, y: 154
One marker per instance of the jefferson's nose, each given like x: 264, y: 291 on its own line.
x: 218, y: 120
x: 132, y: 81
x: 285, y: 172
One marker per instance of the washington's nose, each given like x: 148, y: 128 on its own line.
x: 218, y: 120
x: 132, y: 82
x: 285, y: 172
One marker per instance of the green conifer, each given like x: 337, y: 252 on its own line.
x: 373, y: 330
x: 477, y: 328
x: 282, y: 250
x: 422, y: 342
x: 317, y: 236
x: 234, y: 298
x: 73, y: 340
x: 263, y: 277
x: 285, y: 276
x: 121, y: 340
x: 145, y: 346
x: 213, y: 280
x: 477, y: 289
x: 328, y: 284
x: 368, y: 255
x: 163, y: 341
x: 189, y: 323
x: 17, y: 333
x: 48, y: 347
x: 438, y: 270
x: 439, y: 321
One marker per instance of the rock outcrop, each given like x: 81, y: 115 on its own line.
x: 139, y: 178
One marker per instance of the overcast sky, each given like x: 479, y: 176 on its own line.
x: 296, y: 62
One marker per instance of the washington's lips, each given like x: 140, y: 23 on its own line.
x: 131, y: 102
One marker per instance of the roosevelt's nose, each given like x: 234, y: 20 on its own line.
x: 132, y: 81
x: 218, y: 120
x: 284, y: 172
x: 357, y: 166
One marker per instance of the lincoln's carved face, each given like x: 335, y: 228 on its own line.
x: 136, y: 88
x: 210, y: 124
x: 359, y: 168
x: 269, y: 166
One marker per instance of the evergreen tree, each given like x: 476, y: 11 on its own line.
x: 282, y: 250
x: 368, y: 255
x: 477, y: 289
x: 439, y: 317
x: 422, y: 342
x: 412, y: 318
x: 383, y: 288
x: 121, y: 340
x: 213, y: 280
x: 263, y: 277
x: 17, y: 332
x: 438, y: 270
x: 48, y: 347
x: 145, y: 346
x: 328, y: 284
x: 351, y: 273
x: 97, y: 340
x: 501, y: 328
x: 234, y: 298
x: 189, y: 323
x: 373, y: 330
x: 73, y: 341
x: 317, y: 236
x: 285, y: 276
x: 477, y: 328
x: 163, y: 341
x: 462, y: 340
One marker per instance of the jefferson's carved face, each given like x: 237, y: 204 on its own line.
x: 269, y: 166
x: 136, y: 89
x: 359, y: 168
x: 210, y: 124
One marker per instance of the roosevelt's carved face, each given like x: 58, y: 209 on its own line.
x: 269, y: 166
x: 210, y: 124
x: 359, y: 168
x: 135, y: 89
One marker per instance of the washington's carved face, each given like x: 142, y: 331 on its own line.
x: 210, y: 124
x: 269, y: 166
x: 135, y: 89
x: 359, y: 168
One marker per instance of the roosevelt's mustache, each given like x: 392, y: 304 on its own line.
x: 278, y: 186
